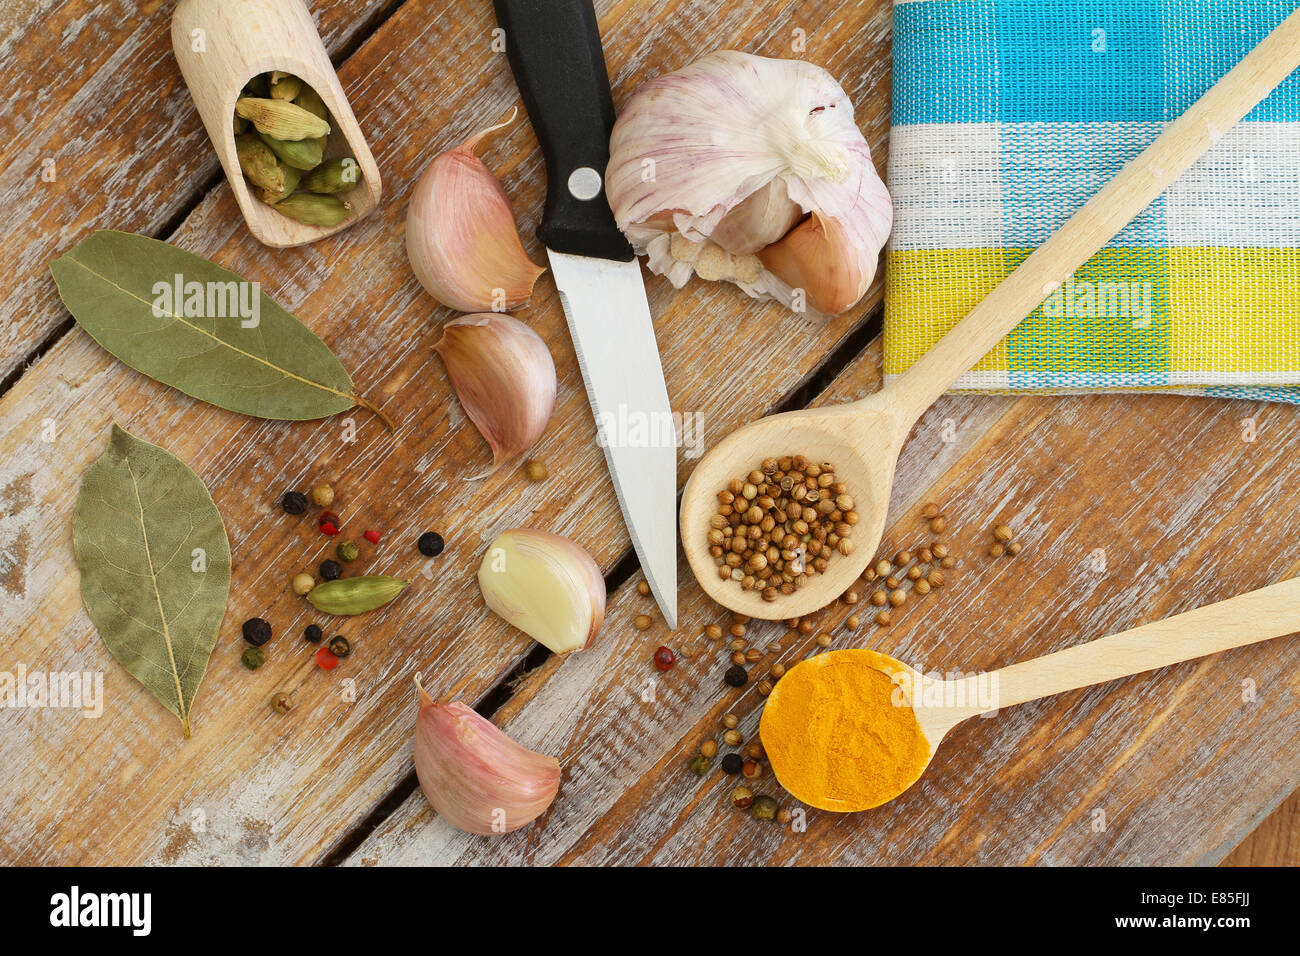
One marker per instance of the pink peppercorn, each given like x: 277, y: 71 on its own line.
x: 664, y: 658
x: 371, y: 536
x: 326, y: 659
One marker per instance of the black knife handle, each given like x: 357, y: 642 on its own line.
x: 555, y: 54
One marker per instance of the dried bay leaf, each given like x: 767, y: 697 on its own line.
x: 220, y: 340
x: 155, y: 566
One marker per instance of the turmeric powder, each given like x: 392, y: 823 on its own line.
x: 841, y: 735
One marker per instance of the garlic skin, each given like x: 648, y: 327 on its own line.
x: 461, y: 239
x: 474, y: 775
x: 504, y: 376
x: 751, y: 170
x: 546, y: 586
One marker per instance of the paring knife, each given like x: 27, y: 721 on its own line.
x: 555, y: 53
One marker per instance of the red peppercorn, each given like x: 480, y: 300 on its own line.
x: 328, y: 522
x: 326, y: 660
x: 329, y: 528
x: 371, y: 536
x: 664, y: 658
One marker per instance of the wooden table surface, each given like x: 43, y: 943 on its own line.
x: 1129, y: 509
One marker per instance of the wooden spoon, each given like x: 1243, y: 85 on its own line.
x: 863, y: 439
x: 939, y: 705
x: 220, y: 47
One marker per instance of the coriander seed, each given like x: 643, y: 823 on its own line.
x: 732, y: 738
x: 534, y: 470
x: 730, y: 721
x: 709, y: 748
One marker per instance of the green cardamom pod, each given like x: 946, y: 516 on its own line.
x: 310, y: 100
x: 285, y: 87
x: 300, y: 154
x: 333, y: 176
x: 314, y: 209
x: 241, y: 125
x: 291, y: 178
x: 347, y: 596
x: 281, y: 119
x: 259, y: 163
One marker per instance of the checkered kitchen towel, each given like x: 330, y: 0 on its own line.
x: 1010, y: 114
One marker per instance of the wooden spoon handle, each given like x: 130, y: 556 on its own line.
x: 1102, y: 218
x: 1246, y: 619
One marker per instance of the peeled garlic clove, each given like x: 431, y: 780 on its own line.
x: 461, y: 239
x: 722, y: 153
x: 474, y: 775
x: 546, y: 586
x: 504, y: 376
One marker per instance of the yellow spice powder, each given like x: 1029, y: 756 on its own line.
x: 839, y: 735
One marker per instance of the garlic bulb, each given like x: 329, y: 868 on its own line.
x: 474, y: 775
x: 546, y: 586
x: 461, y: 239
x: 751, y: 170
x: 504, y: 376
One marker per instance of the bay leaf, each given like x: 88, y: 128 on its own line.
x: 252, y: 356
x: 155, y: 566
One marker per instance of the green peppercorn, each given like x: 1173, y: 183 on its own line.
x: 331, y: 570
x: 732, y: 763
x: 736, y: 676
x: 282, y: 702
x: 348, y: 551
x: 253, y: 658
x: 340, y: 646
x: 741, y: 798
x: 763, y: 808
x: 700, y: 765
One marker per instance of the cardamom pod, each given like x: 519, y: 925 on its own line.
x: 300, y: 154
x: 281, y: 119
x: 291, y: 179
x: 310, y: 100
x: 314, y: 209
x: 333, y: 176
x: 259, y: 163
x: 241, y: 125
x: 285, y: 86
x: 347, y: 596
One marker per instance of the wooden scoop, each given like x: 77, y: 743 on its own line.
x: 939, y: 705
x: 863, y: 439
x: 220, y: 47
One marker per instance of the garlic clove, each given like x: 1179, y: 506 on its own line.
x: 504, y: 376
x: 742, y: 148
x: 474, y: 775
x: 758, y: 220
x: 461, y: 238
x: 817, y: 258
x: 546, y: 586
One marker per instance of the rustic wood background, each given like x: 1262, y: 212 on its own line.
x: 1182, y: 765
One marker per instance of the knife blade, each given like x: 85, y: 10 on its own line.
x: 555, y: 54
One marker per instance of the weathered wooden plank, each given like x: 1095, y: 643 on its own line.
x: 1274, y: 841
x: 98, y: 131
x: 285, y: 789
x: 1177, y: 761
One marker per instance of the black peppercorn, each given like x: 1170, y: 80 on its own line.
x: 430, y: 544
x: 313, y: 633
x: 331, y: 570
x: 294, y: 503
x: 731, y: 763
x: 736, y: 676
x: 340, y: 646
x: 257, y: 631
